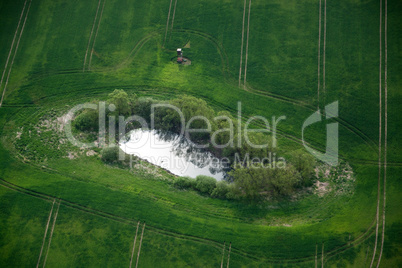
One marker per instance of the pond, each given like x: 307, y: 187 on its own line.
x: 173, y: 153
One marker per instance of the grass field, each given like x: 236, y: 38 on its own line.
x: 56, y: 54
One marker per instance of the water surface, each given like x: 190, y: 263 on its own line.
x: 172, y: 153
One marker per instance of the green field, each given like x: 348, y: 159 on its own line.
x: 56, y: 54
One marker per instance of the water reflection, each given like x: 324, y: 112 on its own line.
x: 173, y: 153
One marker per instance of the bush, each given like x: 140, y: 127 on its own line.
x: 304, y: 164
x: 234, y: 192
x: 88, y: 120
x: 205, y: 184
x: 184, y: 182
x: 221, y: 189
x: 110, y: 154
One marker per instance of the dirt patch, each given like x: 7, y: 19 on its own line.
x: 90, y: 153
x: 64, y: 119
x: 72, y: 155
x: 321, y: 188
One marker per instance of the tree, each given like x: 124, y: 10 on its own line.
x: 190, y: 107
x: 284, y: 180
x: 254, y: 182
x: 122, y: 102
x: 304, y: 164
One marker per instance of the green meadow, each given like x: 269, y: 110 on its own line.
x: 63, y: 211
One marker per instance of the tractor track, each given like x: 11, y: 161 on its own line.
x: 51, y: 234
x: 385, y: 139
x: 135, y: 240
x: 205, y: 241
x: 15, y: 51
x: 319, y: 54
x: 12, y: 45
x: 96, y: 34
x: 90, y: 36
x: 379, y: 141
x: 242, y: 43
x: 47, y: 228
x: 248, y: 34
x: 167, y: 23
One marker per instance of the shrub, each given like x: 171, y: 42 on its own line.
x: 184, y: 182
x: 110, y: 154
x: 205, y: 184
x: 88, y: 120
x: 221, y: 189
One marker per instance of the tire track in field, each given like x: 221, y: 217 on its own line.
x: 51, y: 234
x: 379, y: 143
x: 385, y: 136
x: 44, y: 237
x: 356, y: 131
x: 322, y: 256
x: 242, y: 42
x: 319, y: 55
x: 12, y: 44
x: 167, y: 24
x: 223, y: 254
x: 315, y: 258
x: 135, y: 240
x: 325, y: 38
x: 174, y: 13
x: 139, y: 248
x: 341, y: 121
x: 96, y: 34
x: 204, y: 241
x: 248, y: 35
x: 15, y: 53
x: 230, y: 248
x: 90, y: 36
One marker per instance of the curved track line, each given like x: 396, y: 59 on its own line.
x: 139, y: 249
x: 135, y: 240
x: 12, y: 43
x: 90, y: 36
x: 242, y: 42
x: 167, y: 24
x: 385, y: 139
x: 221, y: 51
x: 248, y: 34
x: 51, y: 234
x: 96, y: 34
x: 44, y: 237
x: 15, y: 53
x: 379, y: 144
x: 205, y: 241
x: 174, y: 13
x: 342, y: 122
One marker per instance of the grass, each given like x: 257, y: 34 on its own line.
x: 186, y: 229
